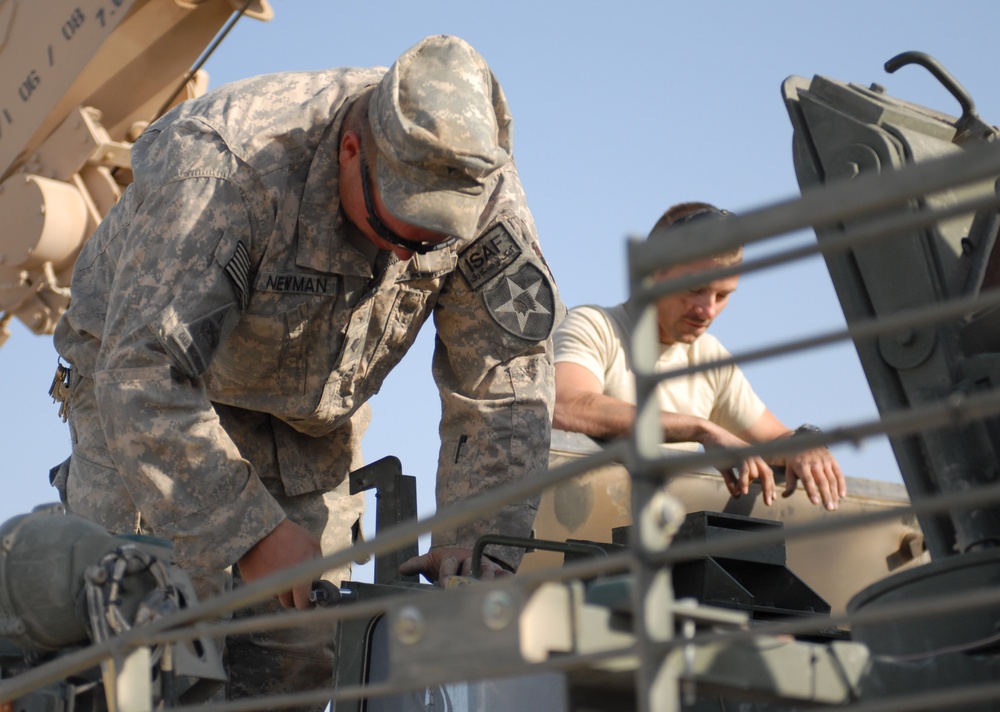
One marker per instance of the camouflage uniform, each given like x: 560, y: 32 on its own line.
x: 226, y: 330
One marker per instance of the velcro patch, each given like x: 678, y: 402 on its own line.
x: 523, y: 303
x: 488, y: 256
x: 193, y: 345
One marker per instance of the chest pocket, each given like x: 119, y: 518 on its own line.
x: 264, y: 356
x: 275, y: 357
x: 393, y: 329
x: 383, y: 326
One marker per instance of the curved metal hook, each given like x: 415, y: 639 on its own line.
x: 943, y: 75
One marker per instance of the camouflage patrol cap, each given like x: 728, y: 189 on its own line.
x: 442, y: 128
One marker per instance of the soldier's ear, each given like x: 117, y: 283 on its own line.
x: 350, y: 146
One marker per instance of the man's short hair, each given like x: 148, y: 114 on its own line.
x: 687, y: 213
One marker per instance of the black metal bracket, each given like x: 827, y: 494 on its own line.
x: 396, y: 502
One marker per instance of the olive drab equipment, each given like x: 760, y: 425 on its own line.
x: 843, y: 131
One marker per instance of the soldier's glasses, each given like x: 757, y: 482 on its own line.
x: 383, y: 230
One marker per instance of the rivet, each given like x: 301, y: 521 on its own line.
x: 498, y: 610
x: 409, y: 626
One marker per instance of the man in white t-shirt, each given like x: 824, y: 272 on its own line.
x: 595, y: 387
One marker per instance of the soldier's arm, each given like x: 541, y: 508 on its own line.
x: 175, y: 296
x: 493, y: 368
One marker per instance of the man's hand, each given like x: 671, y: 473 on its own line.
x: 820, y: 475
x: 288, y: 545
x: 750, y: 469
x: 438, y: 564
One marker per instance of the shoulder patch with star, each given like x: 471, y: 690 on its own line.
x: 523, y: 303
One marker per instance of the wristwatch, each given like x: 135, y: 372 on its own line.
x: 805, y: 429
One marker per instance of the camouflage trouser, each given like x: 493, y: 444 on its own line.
x: 270, y: 663
x: 294, y: 660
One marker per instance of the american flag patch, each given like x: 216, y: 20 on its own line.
x: 238, y: 270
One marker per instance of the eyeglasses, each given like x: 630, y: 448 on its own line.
x: 700, y: 214
x: 383, y: 231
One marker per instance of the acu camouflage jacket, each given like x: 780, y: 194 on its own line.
x: 234, y: 333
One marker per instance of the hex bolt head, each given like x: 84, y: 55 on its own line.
x: 409, y: 626
x: 498, y: 610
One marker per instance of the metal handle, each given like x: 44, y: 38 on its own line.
x: 527, y: 543
x: 943, y: 75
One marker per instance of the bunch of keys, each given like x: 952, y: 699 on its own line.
x: 59, y: 390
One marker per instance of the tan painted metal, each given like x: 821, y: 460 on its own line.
x: 835, y: 566
x: 79, y: 81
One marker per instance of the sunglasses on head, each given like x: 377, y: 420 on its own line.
x: 701, y: 214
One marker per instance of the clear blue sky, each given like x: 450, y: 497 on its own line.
x: 618, y: 114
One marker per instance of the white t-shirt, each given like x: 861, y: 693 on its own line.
x: 598, y: 339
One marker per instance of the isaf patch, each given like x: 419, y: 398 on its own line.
x: 488, y: 256
x: 523, y: 303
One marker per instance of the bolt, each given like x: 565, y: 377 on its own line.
x: 11, y: 627
x: 663, y: 514
x: 906, y: 338
x: 96, y: 575
x: 498, y: 610
x: 409, y: 626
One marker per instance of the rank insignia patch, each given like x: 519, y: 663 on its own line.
x: 523, y: 303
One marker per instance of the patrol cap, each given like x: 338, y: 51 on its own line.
x: 442, y: 127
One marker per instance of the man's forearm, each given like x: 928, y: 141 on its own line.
x: 608, y: 418
x: 596, y: 415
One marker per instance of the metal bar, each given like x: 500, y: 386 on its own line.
x: 209, y: 51
x: 861, y: 197
x: 859, y: 331
x: 527, y: 543
x: 878, y: 229
x: 268, y: 587
x: 81, y: 660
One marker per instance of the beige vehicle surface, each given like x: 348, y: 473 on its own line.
x: 836, y: 565
x: 81, y: 79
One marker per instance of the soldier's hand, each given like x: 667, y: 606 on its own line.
x: 739, y: 477
x: 287, y: 545
x: 438, y: 564
x: 820, y: 475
